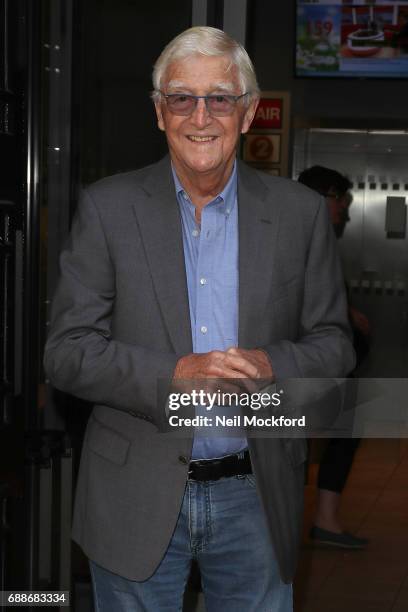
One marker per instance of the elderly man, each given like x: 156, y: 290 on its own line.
x: 194, y: 268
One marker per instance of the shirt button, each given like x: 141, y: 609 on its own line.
x: 203, y: 329
x: 183, y: 459
x: 195, y: 232
x: 203, y: 281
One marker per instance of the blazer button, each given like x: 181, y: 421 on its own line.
x: 183, y: 459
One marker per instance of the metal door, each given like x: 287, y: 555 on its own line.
x: 375, y: 258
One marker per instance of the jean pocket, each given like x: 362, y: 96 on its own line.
x: 250, y: 478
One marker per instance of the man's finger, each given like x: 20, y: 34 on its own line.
x: 242, y: 365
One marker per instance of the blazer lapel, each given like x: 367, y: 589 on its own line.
x: 158, y: 218
x: 258, y: 227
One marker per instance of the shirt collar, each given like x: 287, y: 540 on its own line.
x: 228, y: 194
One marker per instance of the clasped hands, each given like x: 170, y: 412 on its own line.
x: 238, y: 369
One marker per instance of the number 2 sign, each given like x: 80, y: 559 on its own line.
x: 263, y: 148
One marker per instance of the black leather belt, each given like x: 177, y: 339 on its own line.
x: 214, y: 469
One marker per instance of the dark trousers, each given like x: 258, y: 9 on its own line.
x: 336, y: 463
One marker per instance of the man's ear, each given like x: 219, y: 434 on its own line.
x: 159, y: 114
x: 249, y: 115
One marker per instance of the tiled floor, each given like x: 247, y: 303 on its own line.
x: 374, y: 505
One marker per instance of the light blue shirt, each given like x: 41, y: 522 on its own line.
x: 211, y: 261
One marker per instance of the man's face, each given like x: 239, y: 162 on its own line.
x: 339, y: 207
x: 201, y: 144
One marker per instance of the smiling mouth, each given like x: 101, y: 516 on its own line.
x: 201, y: 138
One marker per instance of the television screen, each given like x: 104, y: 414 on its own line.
x: 352, y: 38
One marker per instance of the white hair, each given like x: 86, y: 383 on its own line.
x: 212, y: 43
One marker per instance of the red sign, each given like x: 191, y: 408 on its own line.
x: 268, y: 114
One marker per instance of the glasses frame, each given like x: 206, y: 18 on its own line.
x: 206, y: 99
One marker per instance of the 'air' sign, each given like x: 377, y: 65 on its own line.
x: 268, y: 114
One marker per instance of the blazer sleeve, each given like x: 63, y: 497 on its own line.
x: 81, y: 357
x: 323, y: 347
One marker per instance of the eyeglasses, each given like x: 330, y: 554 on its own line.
x: 184, y: 105
x: 333, y: 194
x: 347, y: 197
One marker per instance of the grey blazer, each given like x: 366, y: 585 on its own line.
x: 120, y: 321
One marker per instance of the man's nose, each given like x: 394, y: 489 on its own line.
x: 200, y: 115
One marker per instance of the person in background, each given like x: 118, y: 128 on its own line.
x: 338, y: 456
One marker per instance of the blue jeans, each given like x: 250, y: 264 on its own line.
x: 221, y: 524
